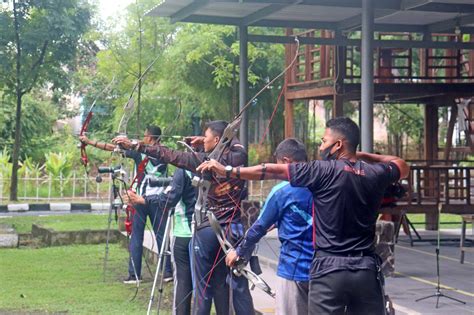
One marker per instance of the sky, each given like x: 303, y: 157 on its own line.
x: 108, y: 8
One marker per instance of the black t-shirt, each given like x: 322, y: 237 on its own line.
x: 346, y: 196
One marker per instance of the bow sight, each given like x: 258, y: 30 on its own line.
x: 108, y: 169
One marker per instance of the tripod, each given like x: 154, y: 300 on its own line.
x: 161, y: 264
x: 116, y: 174
x: 114, y: 192
x: 438, y: 292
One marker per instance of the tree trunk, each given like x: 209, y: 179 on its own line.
x: 19, y: 95
x: 389, y: 144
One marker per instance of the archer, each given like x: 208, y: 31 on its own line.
x: 152, y: 169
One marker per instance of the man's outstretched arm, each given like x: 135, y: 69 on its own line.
x: 99, y: 145
x: 258, y: 172
x: 186, y: 160
x: 378, y: 158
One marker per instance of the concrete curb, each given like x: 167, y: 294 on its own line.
x: 18, y: 207
x: 54, y: 206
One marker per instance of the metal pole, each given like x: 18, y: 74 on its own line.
x: 367, y: 69
x: 243, y: 64
x: 161, y: 263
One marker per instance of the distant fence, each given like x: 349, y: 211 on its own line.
x: 45, y: 188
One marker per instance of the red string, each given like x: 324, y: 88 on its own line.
x: 228, y: 222
x: 236, y: 204
x: 272, y: 116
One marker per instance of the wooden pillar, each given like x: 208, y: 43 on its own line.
x: 337, y: 105
x: 431, y: 132
x: 290, y: 76
x: 449, y: 136
x: 431, y: 153
x: 289, y: 118
x: 339, y: 75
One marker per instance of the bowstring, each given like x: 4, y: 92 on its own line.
x: 240, y: 114
x: 209, y: 274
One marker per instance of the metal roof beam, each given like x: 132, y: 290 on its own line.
x: 296, y: 24
x: 400, y: 28
x: 451, y: 23
x: 431, y: 6
x: 188, y: 10
x: 356, y: 42
x: 413, y: 4
x: 355, y: 21
x: 380, y: 4
x: 260, y: 14
x: 208, y: 19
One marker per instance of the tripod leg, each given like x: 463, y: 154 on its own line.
x: 426, y: 297
x: 414, y: 230
x: 398, y: 226
x: 109, y: 223
x: 165, y: 244
x: 405, y: 220
x: 160, y: 261
x: 451, y: 298
x: 438, y: 293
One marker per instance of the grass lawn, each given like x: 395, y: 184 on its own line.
x: 70, y: 279
x: 448, y: 221
x: 69, y: 222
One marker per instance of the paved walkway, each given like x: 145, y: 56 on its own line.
x: 415, y: 276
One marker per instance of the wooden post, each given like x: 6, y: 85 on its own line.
x: 337, y: 105
x: 290, y: 51
x: 431, y: 153
x: 289, y: 129
x: 449, y: 136
x: 339, y: 75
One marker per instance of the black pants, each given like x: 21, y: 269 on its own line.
x: 183, y: 285
x: 158, y: 220
x: 215, y: 285
x: 358, y: 290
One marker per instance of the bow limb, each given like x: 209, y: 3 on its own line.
x: 128, y: 109
x: 240, y: 269
x: 257, y: 281
x: 85, y: 125
x: 129, y: 106
x: 204, y: 183
x: 216, y: 227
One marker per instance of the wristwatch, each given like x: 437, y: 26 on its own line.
x: 134, y: 144
x: 228, y: 171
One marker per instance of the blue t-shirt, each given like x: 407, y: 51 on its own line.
x: 290, y: 209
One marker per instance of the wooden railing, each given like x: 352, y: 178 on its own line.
x: 316, y: 63
x: 447, y: 185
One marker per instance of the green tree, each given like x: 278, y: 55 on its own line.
x: 403, y: 121
x: 140, y: 41
x: 38, y: 43
x: 194, y: 79
x: 38, y: 117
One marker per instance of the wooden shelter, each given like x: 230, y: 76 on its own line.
x: 386, y: 51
